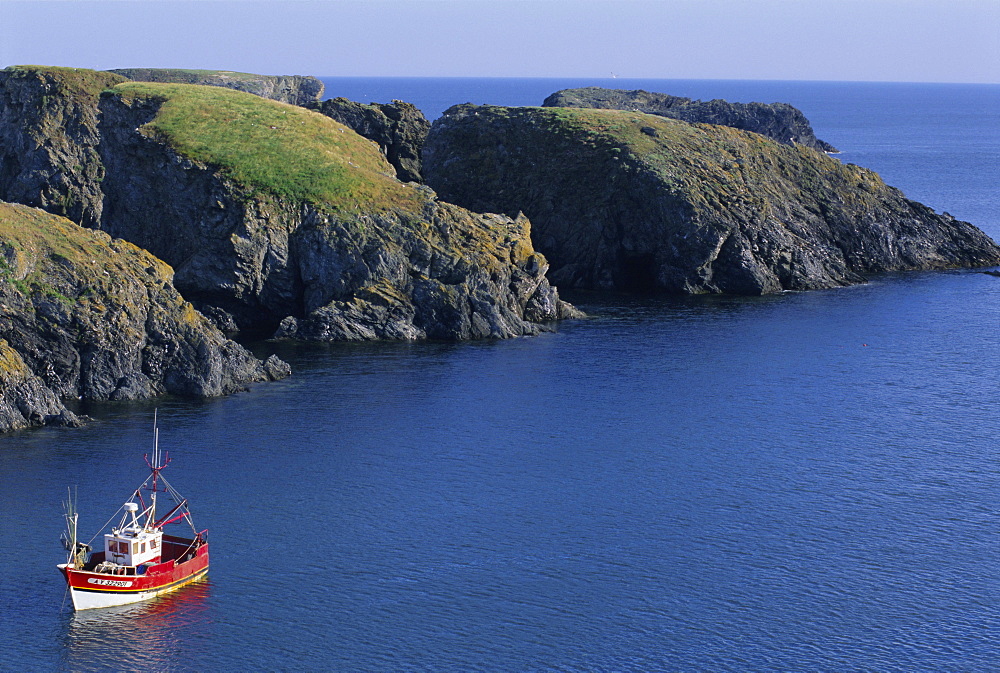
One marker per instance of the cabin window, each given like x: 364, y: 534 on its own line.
x: 142, y: 548
x: 135, y: 547
x: 153, y: 543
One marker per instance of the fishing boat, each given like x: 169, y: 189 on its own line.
x: 137, y: 560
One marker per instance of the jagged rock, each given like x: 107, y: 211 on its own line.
x: 398, y: 128
x: 633, y: 201
x: 86, y: 316
x: 292, y: 89
x: 25, y: 401
x: 779, y: 121
x: 269, y: 212
x: 276, y: 368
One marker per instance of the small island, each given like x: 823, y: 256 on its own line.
x: 632, y: 201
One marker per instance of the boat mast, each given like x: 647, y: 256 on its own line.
x: 155, y: 466
x: 156, y: 462
x: 72, y: 517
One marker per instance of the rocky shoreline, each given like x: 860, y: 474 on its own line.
x: 86, y: 316
x: 146, y: 219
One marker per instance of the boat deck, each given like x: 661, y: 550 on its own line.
x: 173, y: 548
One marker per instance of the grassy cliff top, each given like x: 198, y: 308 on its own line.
x: 46, y: 256
x: 72, y: 81
x: 36, y: 233
x: 719, y: 163
x: 284, y: 150
x: 184, y: 75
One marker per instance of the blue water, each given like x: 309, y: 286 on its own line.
x: 802, y: 482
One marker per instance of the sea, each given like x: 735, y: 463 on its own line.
x: 801, y: 482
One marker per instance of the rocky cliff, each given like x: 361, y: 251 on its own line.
x: 292, y: 89
x: 779, y: 121
x: 49, y: 139
x: 85, y: 316
x: 634, y: 201
x: 398, y: 128
x: 275, y: 218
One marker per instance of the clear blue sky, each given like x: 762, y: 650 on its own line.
x: 880, y: 40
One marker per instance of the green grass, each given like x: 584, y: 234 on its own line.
x: 283, y: 150
x: 716, y: 165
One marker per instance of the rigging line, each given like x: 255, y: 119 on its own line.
x: 117, y: 512
x: 101, y: 529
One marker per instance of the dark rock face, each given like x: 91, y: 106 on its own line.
x: 638, y: 202
x: 377, y: 260
x: 292, y: 89
x: 86, y: 316
x: 416, y: 287
x: 779, y: 121
x: 39, y: 165
x: 398, y: 128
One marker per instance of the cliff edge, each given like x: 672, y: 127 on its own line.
x: 779, y: 121
x: 277, y: 220
x: 398, y: 128
x: 640, y: 202
x: 292, y: 89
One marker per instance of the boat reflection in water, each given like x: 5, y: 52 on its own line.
x: 143, y: 635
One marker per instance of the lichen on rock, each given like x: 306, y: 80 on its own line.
x: 86, y: 316
x: 275, y: 216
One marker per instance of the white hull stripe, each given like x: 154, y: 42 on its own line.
x: 84, y: 599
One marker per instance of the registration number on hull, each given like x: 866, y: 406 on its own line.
x: 110, y: 583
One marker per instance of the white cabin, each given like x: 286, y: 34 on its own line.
x: 133, y: 545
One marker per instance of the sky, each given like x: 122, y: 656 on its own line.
x: 844, y: 40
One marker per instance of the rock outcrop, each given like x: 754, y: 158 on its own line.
x: 779, y: 121
x: 49, y: 139
x: 275, y: 218
x: 292, y: 89
x: 25, y: 401
x: 640, y: 202
x: 85, y: 316
x: 398, y: 128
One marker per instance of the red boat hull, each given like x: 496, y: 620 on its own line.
x: 186, y: 563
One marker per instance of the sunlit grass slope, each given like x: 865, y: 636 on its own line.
x: 283, y: 150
